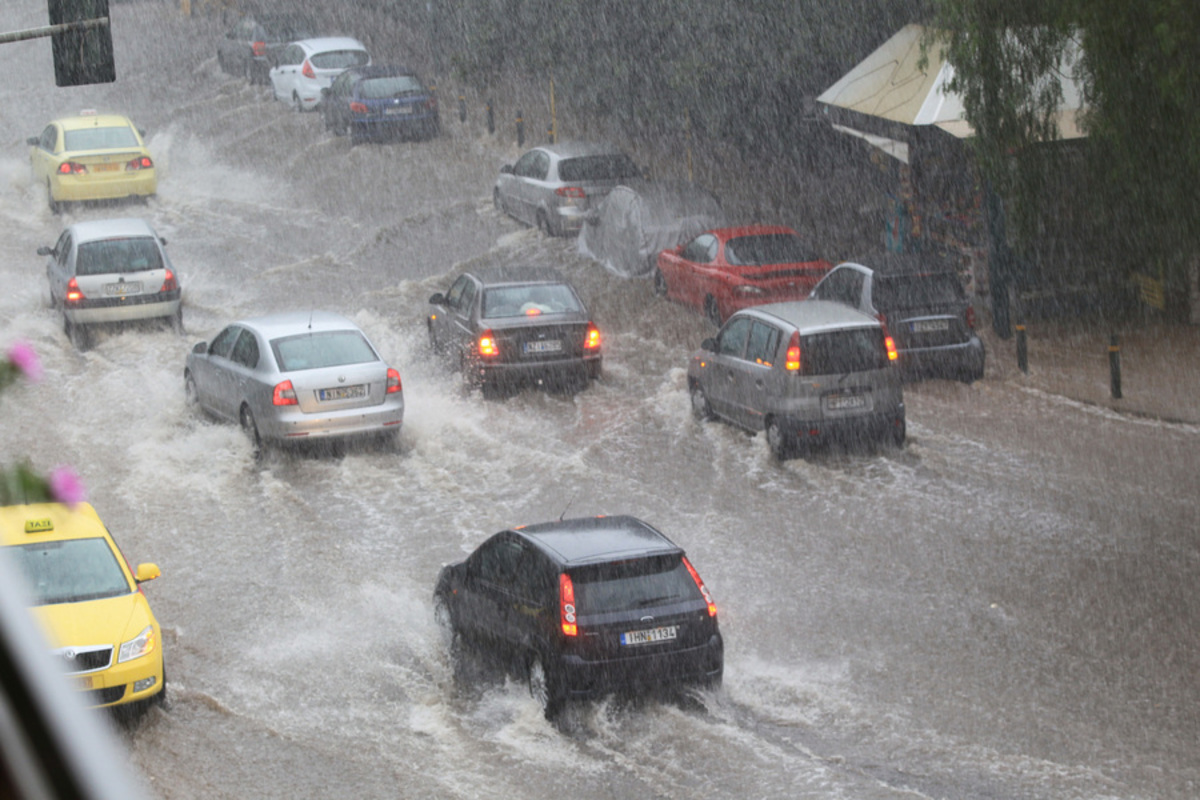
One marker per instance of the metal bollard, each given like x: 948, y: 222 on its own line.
x: 550, y: 134
x: 1114, y: 365
x: 491, y: 118
x: 520, y: 129
x: 462, y: 108
x: 1022, y: 350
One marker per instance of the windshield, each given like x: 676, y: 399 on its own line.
x: 839, y: 352
x: 632, y: 585
x: 771, y: 248
x: 517, y: 301
x: 894, y: 292
x: 70, y: 571
x: 615, y: 167
x: 100, y: 138
x: 118, y: 255
x: 394, y: 86
x: 327, y: 349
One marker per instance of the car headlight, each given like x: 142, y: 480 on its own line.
x: 749, y: 291
x: 137, y: 647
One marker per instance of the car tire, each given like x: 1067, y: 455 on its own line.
x: 701, y: 409
x: 544, y: 687
x: 54, y: 206
x: 176, y: 322
x: 435, y: 346
x: 543, y: 224
x: 246, y: 417
x: 190, y: 394
x: 660, y: 283
x: 781, y: 441
x: 712, y: 311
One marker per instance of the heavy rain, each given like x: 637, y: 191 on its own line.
x: 1003, y: 607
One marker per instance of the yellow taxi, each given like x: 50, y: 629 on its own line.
x: 92, y: 157
x: 89, y: 603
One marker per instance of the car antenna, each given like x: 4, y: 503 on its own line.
x: 310, y: 313
x: 564, y: 513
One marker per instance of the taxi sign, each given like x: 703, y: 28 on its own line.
x: 44, y: 525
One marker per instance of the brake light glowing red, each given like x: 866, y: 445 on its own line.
x: 170, y: 284
x: 358, y: 108
x: 574, y: 192
x: 487, y: 344
x: 284, y: 394
x: 307, y: 70
x: 712, y: 606
x: 74, y: 294
x: 393, y: 383
x: 71, y: 168
x: 141, y: 162
x: 592, y: 340
x: 791, y: 361
x: 891, y: 348
x: 532, y: 312
x: 566, y: 602
x: 258, y: 48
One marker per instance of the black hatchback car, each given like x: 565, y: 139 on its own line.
x: 921, y: 303
x: 380, y: 101
x: 508, y: 326
x: 585, y: 607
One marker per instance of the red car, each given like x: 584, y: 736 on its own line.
x: 727, y: 269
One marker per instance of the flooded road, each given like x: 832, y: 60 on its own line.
x: 1005, y: 608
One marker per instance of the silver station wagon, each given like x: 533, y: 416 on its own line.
x: 294, y: 377
x: 805, y: 372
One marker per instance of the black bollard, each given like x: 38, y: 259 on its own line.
x: 1114, y: 365
x: 550, y: 134
x: 1022, y: 350
x: 520, y: 129
x: 462, y: 108
x: 491, y: 118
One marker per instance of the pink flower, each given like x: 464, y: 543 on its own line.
x: 65, y: 486
x: 22, y: 356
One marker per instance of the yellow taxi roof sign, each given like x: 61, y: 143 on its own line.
x: 41, y: 525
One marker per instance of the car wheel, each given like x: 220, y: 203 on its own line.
x: 55, y: 207
x: 711, y: 311
x: 250, y: 427
x: 899, y: 432
x: 189, y: 390
x: 543, y: 224
x: 176, y: 321
x: 435, y: 346
x: 79, y: 335
x: 701, y: 409
x: 781, y: 441
x: 544, y: 688
x: 660, y: 283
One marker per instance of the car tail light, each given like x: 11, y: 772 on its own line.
x: 566, y: 603
x: 358, y: 108
x: 712, y: 606
x: 284, y: 394
x: 970, y: 316
x: 141, y: 162
x: 791, y: 361
x: 431, y: 104
x: 393, y: 384
x: 71, y: 168
x: 592, y: 340
x: 307, y: 70
x: 487, y: 344
x: 170, y: 284
x: 571, y: 192
x: 259, y: 49
x: 74, y: 293
x: 890, y: 344
x: 533, y: 312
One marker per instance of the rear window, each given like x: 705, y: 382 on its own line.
x: 893, y: 292
x: 839, y: 352
x: 394, y: 86
x: 326, y: 349
x: 774, y: 248
x: 70, y: 571
x: 598, y: 168
x: 634, y: 584
x: 518, y: 301
x: 118, y: 255
x: 340, y: 59
x: 100, y: 138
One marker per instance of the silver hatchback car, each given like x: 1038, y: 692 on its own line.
x: 805, y: 372
x: 296, y: 377
x: 111, y: 271
x: 555, y: 186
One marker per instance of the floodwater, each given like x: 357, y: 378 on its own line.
x: 1005, y: 608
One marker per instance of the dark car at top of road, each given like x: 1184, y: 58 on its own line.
x: 247, y: 49
x: 505, y: 326
x: 921, y: 302
x: 553, y: 187
x: 377, y: 101
x: 584, y: 607
x: 728, y: 269
x: 807, y: 373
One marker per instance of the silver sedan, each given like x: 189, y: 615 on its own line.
x: 296, y: 376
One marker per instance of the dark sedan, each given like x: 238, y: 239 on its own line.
x: 249, y: 45
x: 584, y: 607
x: 377, y: 101
x: 511, y: 325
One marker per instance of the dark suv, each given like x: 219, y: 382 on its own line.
x: 511, y: 325
x: 585, y: 607
x: 921, y: 303
x: 250, y: 45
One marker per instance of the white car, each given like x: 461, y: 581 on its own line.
x: 111, y: 271
x: 304, y: 68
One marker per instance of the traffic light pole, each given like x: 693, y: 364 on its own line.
x: 50, y: 30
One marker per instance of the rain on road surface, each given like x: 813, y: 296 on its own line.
x: 1005, y: 608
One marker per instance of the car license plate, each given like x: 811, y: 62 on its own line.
x: 549, y: 346
x: 845, y: 402
x: 105, y: 167
x: 128, y: 287
x: 649, y: 636
x: 930, y: 325
x: 399, y: 110
x: 343, y: 392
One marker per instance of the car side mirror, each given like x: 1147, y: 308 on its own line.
x: 507, y: 169
x: 437, y: 299
x: 200, y: 349
x: 33, y: 141
x: 146, y: 572
x: 709, y: 344
x: 46, y: 251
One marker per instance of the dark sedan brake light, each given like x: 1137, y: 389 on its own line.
x: 487, y: 344
x: 890, y: 344
x: 566, y: 602
x: 259, y: 49
x: 284, y: 394
x: 592, y: 340
x: 570, y: 191
x: 712, y: 606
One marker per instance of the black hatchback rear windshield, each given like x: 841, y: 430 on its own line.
x: 634, y: 584
x: 771, y: 248
x: 839, y: 352
x: 598, y: 168
x: 935, y: 289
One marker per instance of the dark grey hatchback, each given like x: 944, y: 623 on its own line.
x: 584, y: 607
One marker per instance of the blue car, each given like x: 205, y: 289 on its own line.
x: 375, y: 102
